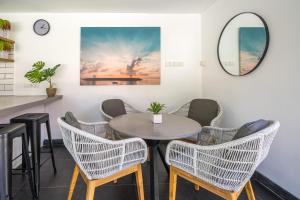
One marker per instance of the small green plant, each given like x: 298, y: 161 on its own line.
x: 8, y: 46
x: 156, y: 107
x: 1, y: 23
x: 5, y: 46
x: 2, y: 44
x: 38, y: 74
x: 4, y: 24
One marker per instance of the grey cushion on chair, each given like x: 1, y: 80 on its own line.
x: 71, y: 120
x: 114, y: 107
x: 250, y: 128
x: 203, y: 111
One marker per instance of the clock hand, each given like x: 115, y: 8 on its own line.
x: 43, y: 26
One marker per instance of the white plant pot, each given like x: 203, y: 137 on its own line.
x: 157, y: 118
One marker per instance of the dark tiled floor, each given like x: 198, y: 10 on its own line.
x: 55, y: 187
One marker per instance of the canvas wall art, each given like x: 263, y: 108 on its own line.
x: 252, y: 42
x: 120, y: 56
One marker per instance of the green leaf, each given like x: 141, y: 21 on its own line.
x: 34, y: 76
x: 2, y: 45
x: 1, y: 23
x: 156, y: 107
x: 38, y: 65
x: 38, y: 74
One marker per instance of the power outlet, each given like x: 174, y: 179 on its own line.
x: 203, y: 63
x: 174, y: 64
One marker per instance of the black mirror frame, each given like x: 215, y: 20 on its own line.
x: 266, y: 47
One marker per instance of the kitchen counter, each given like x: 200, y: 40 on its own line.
x: 9, y: 104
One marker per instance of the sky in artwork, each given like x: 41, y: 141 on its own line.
x: 252, y: 42
x: 107, y: 51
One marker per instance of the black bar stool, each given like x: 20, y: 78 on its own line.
x: 33, y: 123
x: 8, y: 132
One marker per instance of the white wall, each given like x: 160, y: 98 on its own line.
x: 271, y: 91
x: 181, y: 41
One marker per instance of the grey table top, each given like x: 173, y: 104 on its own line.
x: 10, y: 104
x: 141, y: 125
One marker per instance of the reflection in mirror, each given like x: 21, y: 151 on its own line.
x: 243, y: 44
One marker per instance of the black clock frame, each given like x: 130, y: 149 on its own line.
x: 37, y: 22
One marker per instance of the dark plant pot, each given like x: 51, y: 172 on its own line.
x: 51, y: 92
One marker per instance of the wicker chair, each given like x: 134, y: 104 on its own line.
x: 216, y: 122
x: 99, y: 160
x: 108, y: 115
x: 128, y: 108
x: 224, y: 168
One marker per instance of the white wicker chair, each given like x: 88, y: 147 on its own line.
x: 128, y: 108
x: 99, y: 160
x: 224, y: 168
x: 201, y: 137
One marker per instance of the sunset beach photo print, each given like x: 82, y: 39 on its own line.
x: 120, y: 56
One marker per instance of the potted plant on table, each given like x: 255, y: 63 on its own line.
x: 156, y: 108
x: 38, y: 74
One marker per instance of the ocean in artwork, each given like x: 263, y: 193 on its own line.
x: 120, y: 56
x: 252, y: 43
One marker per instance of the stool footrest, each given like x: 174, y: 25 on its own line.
x: 15, y: 158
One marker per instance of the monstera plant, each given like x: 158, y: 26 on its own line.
x: 40, y: 73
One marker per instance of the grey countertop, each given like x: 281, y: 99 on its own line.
x: 9, y: 104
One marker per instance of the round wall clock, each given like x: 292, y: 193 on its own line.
x: 41, y: 27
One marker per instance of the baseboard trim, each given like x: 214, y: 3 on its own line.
x: 273, y: 187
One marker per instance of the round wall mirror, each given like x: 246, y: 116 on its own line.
x: 243, y: 44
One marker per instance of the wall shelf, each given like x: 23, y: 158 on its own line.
x: 7, y: 40
x: 6, y: 60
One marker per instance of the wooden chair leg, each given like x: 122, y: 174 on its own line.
x: 139, y: 182
x: 90, y: 191
x: 73, y: 182
x: 173, y: 184
x: 197, y: 187
x: 249, y: 191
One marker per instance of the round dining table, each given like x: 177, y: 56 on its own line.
x: 141, y: 125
